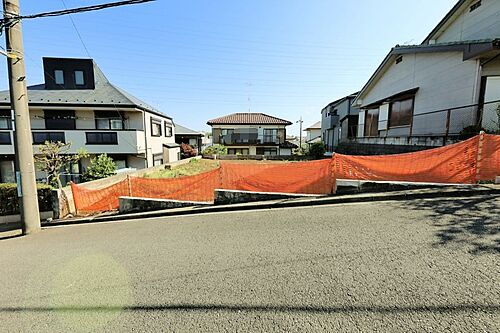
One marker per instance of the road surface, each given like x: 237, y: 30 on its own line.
x: 409, y: 266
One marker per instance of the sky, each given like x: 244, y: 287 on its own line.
x: 200, y: 59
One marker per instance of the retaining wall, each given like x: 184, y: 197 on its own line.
x: 136, y: 205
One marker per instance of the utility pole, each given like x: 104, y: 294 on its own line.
x: 300, y: 134
x: 25, y: 167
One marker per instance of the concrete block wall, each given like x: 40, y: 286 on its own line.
x: 362, y: 149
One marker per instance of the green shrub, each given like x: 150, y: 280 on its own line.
x: 215, y: 150
x: 100, y: 167
x: 317, y: 150
x: 470, y: 131
x: 10, y: 201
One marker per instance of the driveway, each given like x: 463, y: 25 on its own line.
x: 408, y: 266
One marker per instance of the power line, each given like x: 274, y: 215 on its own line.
x: 76, y: 30
x: 81, y: 9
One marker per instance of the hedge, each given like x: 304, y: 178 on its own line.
x: 9, y: 202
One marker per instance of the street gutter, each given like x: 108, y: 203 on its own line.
x: 445, y: 192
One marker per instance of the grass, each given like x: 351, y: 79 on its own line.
x: 192, y: 168
x: 199, y: 166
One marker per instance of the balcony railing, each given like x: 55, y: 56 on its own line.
x: 442, y: 126
x: 93, y: 141
x: 250, y: 139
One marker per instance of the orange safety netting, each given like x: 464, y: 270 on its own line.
x: 451, y: 164
x: 489, y: 163
x: 303, y: 177
x: 300, y: 177
x: 106, y: 199
x: 456, y: 163
x: 191, y: 188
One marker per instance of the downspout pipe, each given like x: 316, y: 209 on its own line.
x: 145, y: 137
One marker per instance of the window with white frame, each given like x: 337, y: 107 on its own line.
x: 59, y: 76
x: 79, y: 78
x: 112, y: 120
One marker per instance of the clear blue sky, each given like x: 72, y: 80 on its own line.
x: 200, y: 59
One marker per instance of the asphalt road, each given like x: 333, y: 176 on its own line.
x: 414, y: 266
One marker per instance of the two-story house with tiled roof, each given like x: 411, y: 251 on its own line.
x: 252, y: 134
x: 78, y: 105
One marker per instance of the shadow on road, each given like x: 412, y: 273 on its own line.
x: 263, y: 308
x: 10, y: 230
x: 472, y: 221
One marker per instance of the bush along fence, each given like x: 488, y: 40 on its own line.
x: 468, y: 162
x: 10, y: 200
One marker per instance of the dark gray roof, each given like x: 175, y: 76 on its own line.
x: 104, y: 94
x: 181, y: 130
x: 341, y: 100
x: 441, y: 47
x: 288, y: 144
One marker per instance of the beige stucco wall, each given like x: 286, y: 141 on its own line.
x: 131, y: 141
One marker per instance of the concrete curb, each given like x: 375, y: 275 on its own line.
x: 461, y: 191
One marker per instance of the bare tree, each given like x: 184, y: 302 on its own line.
x: 53, y: 157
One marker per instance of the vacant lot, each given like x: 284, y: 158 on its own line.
x: 199, y: 166
x: 410, y: 266
x: 192, y: 168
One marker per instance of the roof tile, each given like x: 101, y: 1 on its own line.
x: 248, y: 119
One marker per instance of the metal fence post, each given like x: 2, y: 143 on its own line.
x: 479, y: 155
x: 129, y: 186
x: 448, y: 120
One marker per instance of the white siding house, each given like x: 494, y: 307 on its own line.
x: 313, y: 133
x: 428, y: 94
x: 468, y: 20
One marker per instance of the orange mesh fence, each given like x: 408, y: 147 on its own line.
x: 90, y: 201
x: 191, y: 188
x: 301, y: 177
x: 489, y: 163
x: 451, y: 164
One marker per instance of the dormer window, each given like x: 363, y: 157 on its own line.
x: 68, y: 74
x: 59, y: 76
x: 79, y: 78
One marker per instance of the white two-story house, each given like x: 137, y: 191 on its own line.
x: 78, y: 105
x: 313, y: 133
x: 252, y: 134
x: 431, y: 94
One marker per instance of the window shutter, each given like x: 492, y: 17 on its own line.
x: 361, y: 124
x: 383, y: 117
